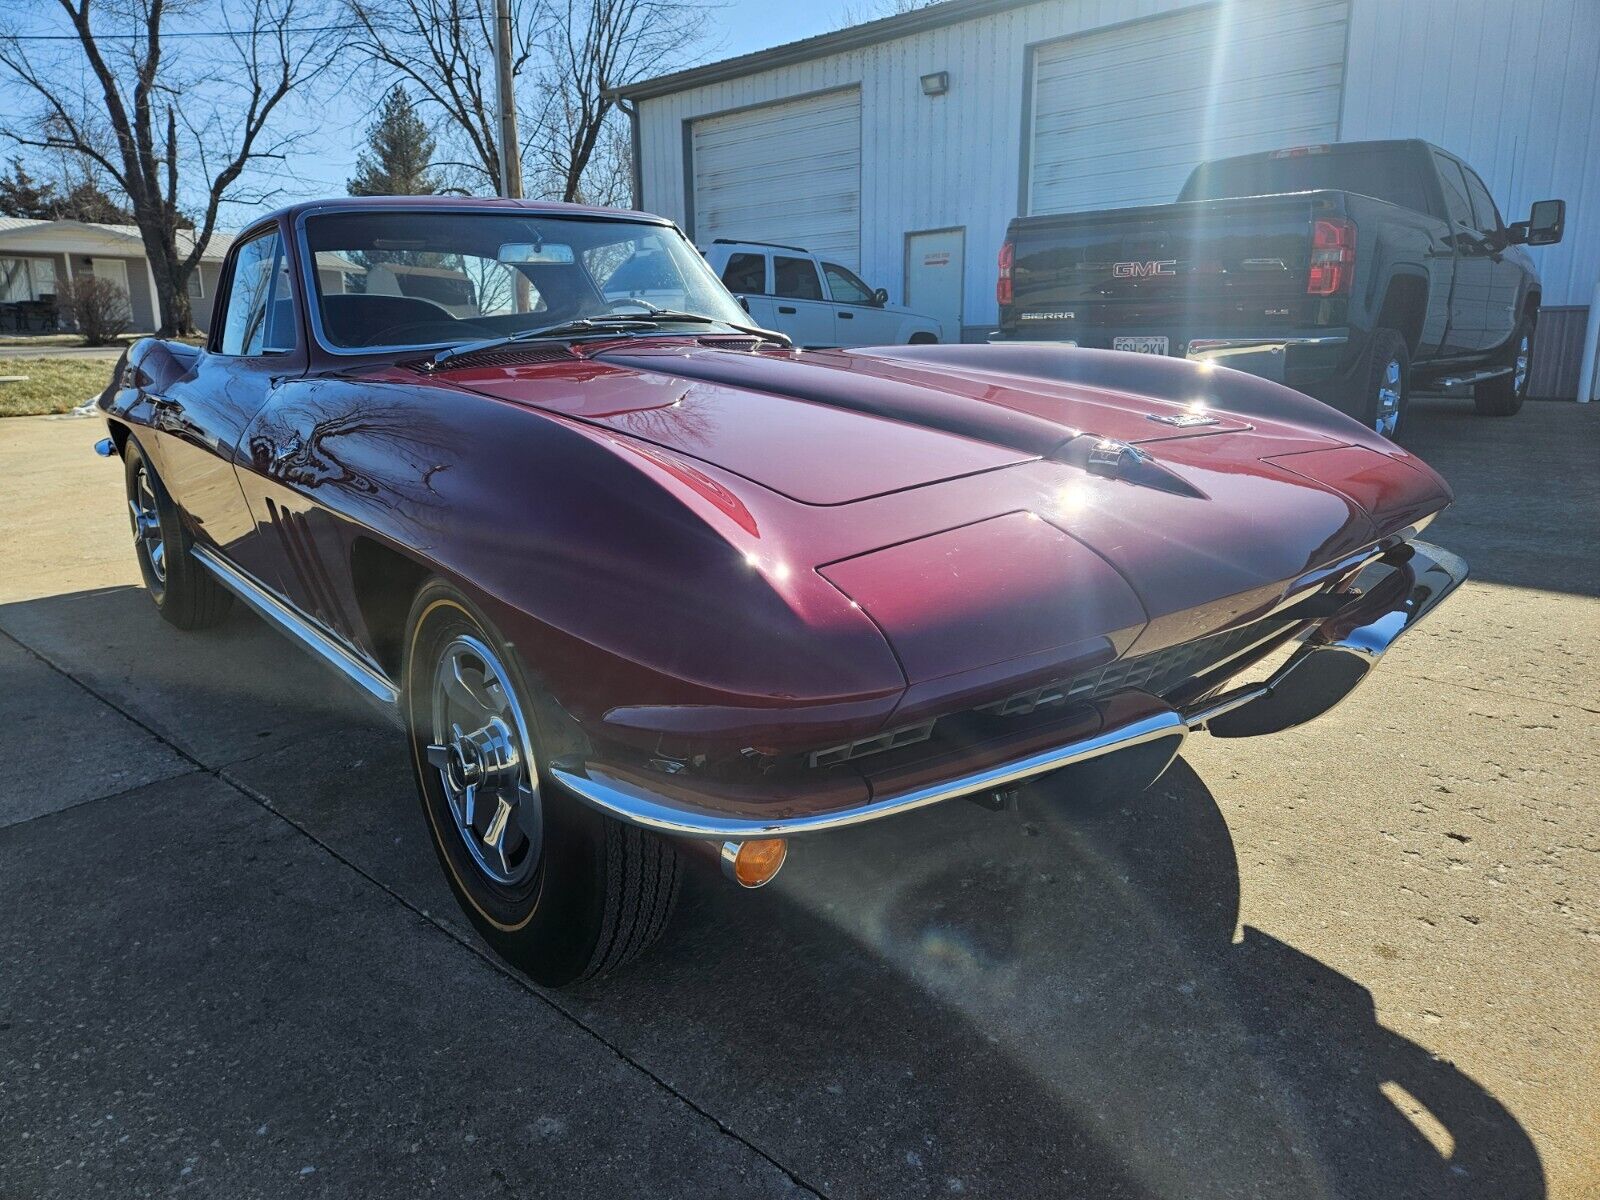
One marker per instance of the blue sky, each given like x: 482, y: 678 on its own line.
x: 335, y: 128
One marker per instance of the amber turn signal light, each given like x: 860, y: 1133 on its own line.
x: 753, y: 863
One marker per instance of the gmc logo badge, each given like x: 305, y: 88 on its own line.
x: 1143, y: 270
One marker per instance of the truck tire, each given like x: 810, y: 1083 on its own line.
x: 1378, y: 391
x: 184, y: 592
x: 1503, y: 395
x: 559, y: 890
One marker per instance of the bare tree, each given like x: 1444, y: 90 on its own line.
x: 443, y: 50
x: 592, y: 47
x: 152, y: 120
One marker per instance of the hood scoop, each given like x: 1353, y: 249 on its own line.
x: 1113, y: 459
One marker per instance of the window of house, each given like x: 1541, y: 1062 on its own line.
x: 795, y: 278
x: 26, y: 279
x: 260, y: 313
x: 196, y: 286
x: 845, y: 286
x: 746, y: 273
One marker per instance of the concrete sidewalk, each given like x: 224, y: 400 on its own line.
x: 1360, y: 959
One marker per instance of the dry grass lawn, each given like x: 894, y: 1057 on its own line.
x: 53, y: 385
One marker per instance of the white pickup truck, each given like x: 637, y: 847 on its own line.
x: 815, y: 302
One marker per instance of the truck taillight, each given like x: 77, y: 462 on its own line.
x: 1002, y: 285
x: 1333, y: 257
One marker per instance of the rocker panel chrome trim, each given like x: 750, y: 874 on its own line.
x: 372, y: 682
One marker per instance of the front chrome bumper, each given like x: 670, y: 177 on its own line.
x: 1335, y: 657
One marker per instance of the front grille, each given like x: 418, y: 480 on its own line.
x: 1160, y: 672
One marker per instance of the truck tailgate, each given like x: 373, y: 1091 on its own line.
x: 1141, y: 267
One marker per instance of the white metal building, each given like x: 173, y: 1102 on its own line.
x: 902, y: 147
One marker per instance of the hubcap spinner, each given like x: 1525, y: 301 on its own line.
x: 480, y: 747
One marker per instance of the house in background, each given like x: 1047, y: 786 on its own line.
x: 37, y: 257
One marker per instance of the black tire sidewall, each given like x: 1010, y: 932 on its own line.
x: 134, y: 464
x: 550, y: 926
x: 1385, y: 346
x: 1500, y: 397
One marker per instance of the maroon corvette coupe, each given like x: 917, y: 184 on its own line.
x: 641, y: 580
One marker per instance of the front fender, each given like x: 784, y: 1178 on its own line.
x: 626, y: 576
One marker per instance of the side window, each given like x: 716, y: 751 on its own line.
x: 1484, y: 214
x: 260, y: 315
x: 1455, y: 190
x: 795, y: 278
x: 844, y: 286
x: 746, y: 273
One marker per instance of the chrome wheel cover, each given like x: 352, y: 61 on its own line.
x: 1519, y: 376
x: 1388, y: 418
x: 479, y: 744
x: 146, y: 517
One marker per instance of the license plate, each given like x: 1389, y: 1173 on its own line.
x: 1140, y: 345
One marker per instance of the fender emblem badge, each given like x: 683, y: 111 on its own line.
x: 1189, y: 420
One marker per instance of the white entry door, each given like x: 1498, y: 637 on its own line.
x: 114, y: 270
x: 934, y: 273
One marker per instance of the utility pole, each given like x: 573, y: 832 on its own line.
x: 510, y: 156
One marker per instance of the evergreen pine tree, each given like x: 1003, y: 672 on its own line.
x: 399, y: 155
x: 21, y: 196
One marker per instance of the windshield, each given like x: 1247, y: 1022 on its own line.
x: 1385, y: 174
x: 427, y: 278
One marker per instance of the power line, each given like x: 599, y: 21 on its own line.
x: 198, y: 33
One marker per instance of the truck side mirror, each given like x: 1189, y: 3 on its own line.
x: 1546, y: 222
x: 880, y: 297
x: 744, y: 303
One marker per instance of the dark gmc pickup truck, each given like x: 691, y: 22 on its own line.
x: 1346, y: 271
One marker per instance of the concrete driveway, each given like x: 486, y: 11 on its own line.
x: 1360, y: 959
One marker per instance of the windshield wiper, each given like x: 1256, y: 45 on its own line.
x: 603, y: 323
x: 671, y: 314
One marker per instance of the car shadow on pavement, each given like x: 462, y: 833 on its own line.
x: 1072, y: 993
x: 1057, y: 1001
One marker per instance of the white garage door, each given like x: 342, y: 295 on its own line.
x: 783, y: 173
x: 1121, y: 117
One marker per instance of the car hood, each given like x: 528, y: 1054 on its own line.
x: 955, y: 493
x: 835, y: 427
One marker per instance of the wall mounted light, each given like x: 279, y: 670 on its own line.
x: 936, y: 84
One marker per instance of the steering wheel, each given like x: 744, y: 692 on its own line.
x: 443, y: 330
x: 613, y: 305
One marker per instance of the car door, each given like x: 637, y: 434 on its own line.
x: 1505, y: 275
x: 200, y: 420
x: 798, y: 298
x: 746, y: 275
x: 858, y: 319
x: 1469, y: 297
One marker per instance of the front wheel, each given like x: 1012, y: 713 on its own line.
x: 184, y: 592
x: 1503, y: 395
x: 560, y: 891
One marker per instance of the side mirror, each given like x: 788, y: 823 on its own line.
x: 743, y: 303
x: 880, y: 297
x: 1546, y: 222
